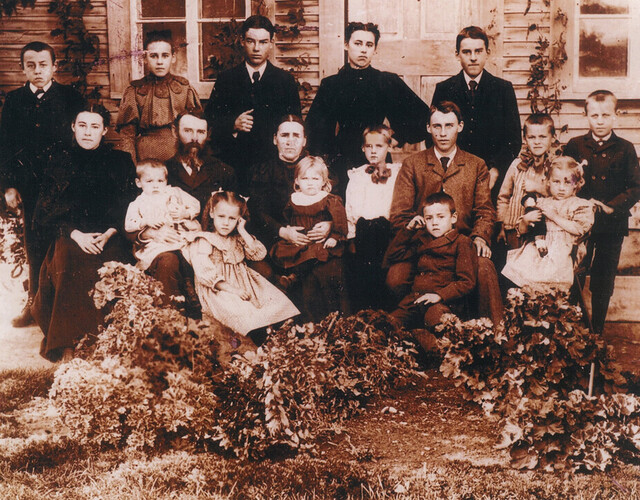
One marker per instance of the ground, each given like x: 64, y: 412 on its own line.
x: 423, y: 441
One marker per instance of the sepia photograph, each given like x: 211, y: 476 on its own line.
x: 319, y: 249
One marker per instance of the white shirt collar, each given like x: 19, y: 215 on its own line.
x: 34, y: 89
x: 251, y: 70
x: 451, y: 155
x: 602, y: 139
x: 467, y: 78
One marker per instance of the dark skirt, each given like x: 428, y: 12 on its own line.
x: 62, y: 307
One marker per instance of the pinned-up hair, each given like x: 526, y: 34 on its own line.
x: 356, y: 26
x: 383, y: 130
x: 216, y: 197
x: 158, y: 36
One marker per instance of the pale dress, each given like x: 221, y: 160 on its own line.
x: 525, y: 265
x: 223, y: 258
x: 146, y: 208
x: 367, y: 199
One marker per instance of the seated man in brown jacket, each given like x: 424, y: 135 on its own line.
x: 465, y: 177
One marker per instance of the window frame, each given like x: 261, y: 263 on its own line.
x: 579, y: 87
x: 125, y: 42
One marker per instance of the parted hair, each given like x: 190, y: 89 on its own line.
x: 258, y: 22
x: 472, y: 32
x: 217, y: 197
x: 97, y: 108
x: 574, y: 168
x: 315, y: 163
x: 446, y: 107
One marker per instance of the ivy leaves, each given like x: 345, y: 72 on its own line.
x: 531, y: 371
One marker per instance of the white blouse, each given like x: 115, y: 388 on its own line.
x: 366, y: 199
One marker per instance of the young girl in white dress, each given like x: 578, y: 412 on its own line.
x: 368, y: 204
x: 568, y: 220
x: 229, y: 290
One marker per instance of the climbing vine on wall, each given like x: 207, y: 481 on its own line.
x: 228, y: 49
x: 544, y: 94
x: 81, y: 48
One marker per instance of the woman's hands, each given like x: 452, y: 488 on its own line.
x: 92, y: 243
x: 317, y: 233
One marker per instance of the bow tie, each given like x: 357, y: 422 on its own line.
x: 376, y: 176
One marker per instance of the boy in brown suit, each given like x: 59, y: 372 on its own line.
x: 444, y: 261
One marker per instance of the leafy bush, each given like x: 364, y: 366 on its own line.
x: 152, y: 379
x: 530, y: 370
x: 11, y: 247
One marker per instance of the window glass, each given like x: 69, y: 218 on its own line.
x: 222, y: 8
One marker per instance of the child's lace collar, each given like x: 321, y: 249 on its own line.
x: 304, y: 200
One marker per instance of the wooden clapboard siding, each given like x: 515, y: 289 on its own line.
x: 518, y: 43
x: 300, y: 55
x: 36, y: 23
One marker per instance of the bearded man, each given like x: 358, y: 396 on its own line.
x: 194, y: 169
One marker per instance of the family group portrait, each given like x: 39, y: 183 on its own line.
x: 309, y: 249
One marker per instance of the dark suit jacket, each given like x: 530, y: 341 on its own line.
x: 275, y: 95
x: 212, y: 176
x: 30, y: 129
x: 466, y: 181
x: 611, y: 175
x: 445, y: 265
x: 491, y: 122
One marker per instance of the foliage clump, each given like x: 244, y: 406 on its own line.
x: 530, y: 371
x: 152, y: 379
x: 307, y: 378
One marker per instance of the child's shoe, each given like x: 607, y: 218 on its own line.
x: 192, y: 308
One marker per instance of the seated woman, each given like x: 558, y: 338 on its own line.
x: 270, y: 188
x: 83, y: 202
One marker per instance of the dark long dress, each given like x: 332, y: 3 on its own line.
x: 87, y: 190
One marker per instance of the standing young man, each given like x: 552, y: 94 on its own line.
x: 488, y: 105
x: 445, y: 167
x: 357, y: 97
x: 35, y: 118
x: 248, y: 101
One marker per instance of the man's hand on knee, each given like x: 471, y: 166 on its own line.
x: 482, y: 247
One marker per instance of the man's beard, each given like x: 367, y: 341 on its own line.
x: 190, y: 154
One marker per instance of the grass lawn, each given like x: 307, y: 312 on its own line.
x: 422, y: 442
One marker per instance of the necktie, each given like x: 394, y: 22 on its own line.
x: 445, y: 161
x: 472, y: 88
x: 39, y: 93
x: 255, y: 77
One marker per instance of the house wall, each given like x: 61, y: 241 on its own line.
x: 519, y: 44
x: 300, y: 54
